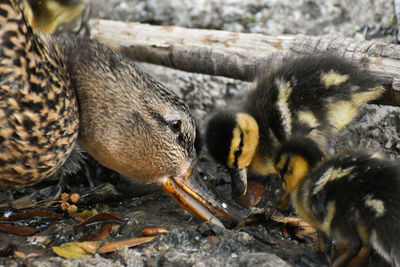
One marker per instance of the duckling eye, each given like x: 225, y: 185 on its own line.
x: 285, y: 170
x: 175, y: 125
x: 238, y: 151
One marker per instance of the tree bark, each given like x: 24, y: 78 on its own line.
x: 238, y: 55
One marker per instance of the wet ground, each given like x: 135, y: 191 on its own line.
x: 192, y: 242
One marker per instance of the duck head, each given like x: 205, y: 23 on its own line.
x: 135, y: 126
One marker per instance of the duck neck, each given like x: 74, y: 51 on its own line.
x: 96, y: 74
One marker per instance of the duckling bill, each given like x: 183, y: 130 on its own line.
x: 353, y: 197
x: 56, y: 92
x: 314, y: 96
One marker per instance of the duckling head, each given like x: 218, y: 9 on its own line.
x: 295, y: 159
x: 232, y: 139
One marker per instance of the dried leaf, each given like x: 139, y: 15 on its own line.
x: 39, y: 239
x: 360, y: 258
x: 17, y: 230
x: 305, y: 230
x: 118, y: 245
x: 104, y: 233
x: 280, y: 219
x: 300, y: 229
x: 29, y: 214
x: 76, y: 250
x: 86, y: 214
x: 253, y: 195
x: 34, y: 255
x: 19, y: 254
x: 154, y: 231
x: 100, y: 217
x: 301, y: 225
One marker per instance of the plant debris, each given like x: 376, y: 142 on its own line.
x: 75, y: 250
x: 154, y: 231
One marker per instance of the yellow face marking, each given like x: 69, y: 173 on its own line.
x: 376, y: 204
x: 333, y: 78
x: 234, y: 146
x: 246, y: 129
x: 326, y: 224
x: 307, y: 117
x: 330, y: 175
x: 297, y: 170
x: 285, y: 90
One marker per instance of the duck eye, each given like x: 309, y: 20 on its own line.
x: 175, y: 125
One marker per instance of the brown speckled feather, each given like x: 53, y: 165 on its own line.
x: 38, y: 108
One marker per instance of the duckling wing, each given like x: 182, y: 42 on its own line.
x: 318, y: 96
x: 327, y: 92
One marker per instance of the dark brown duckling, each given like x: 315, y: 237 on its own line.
x: 313, y: 96
x: 56, y: 92
x: 353, y: 197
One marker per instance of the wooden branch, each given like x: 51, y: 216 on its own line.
x: 237, y: 55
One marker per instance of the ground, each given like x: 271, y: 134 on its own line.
x: 192, y: 242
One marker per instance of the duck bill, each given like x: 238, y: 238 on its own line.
x: 189, y: 202
x: 191, y: 193
x: 238, y: 181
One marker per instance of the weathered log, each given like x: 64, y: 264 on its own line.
x: 238, y: 55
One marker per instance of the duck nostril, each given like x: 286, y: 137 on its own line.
x: 175, y: 125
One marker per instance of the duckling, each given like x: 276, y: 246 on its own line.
x: 313, y: 96
x: 47, y: 15
x: 353, y: 197
x: 56, y: 92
